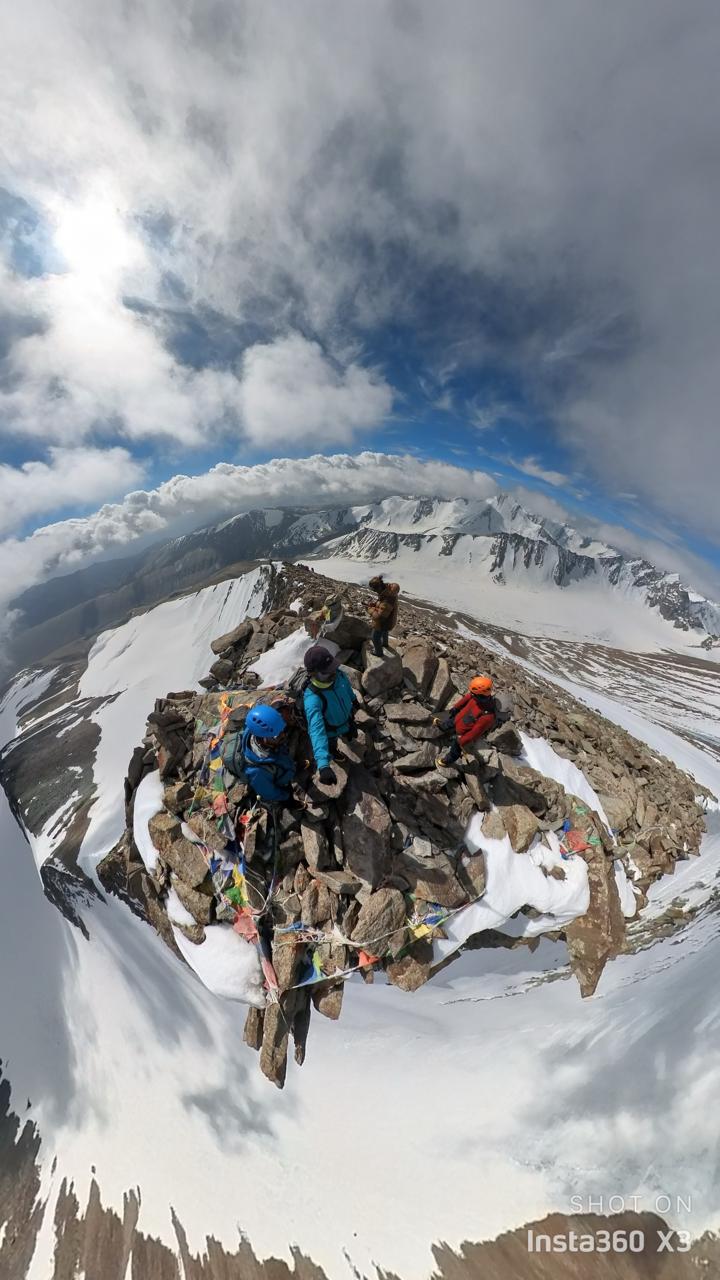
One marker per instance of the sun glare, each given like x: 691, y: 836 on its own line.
x: 94, y: 240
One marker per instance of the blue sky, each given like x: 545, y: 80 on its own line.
x: 432, y: 234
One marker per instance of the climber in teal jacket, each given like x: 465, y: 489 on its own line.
x: 329, y: 705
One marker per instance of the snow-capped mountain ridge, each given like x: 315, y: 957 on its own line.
x: 500, y: 538
x: 493, y: 547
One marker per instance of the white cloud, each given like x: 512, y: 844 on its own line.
x: 72, y: 477
x: 92, y: 363
x: 531, y: 467
x: 292, y: 391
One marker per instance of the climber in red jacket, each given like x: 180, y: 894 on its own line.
x: 474, y: 715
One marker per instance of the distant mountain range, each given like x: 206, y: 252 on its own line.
x: 495, y: 540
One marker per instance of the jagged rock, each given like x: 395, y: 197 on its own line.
x: 317, y: 904
x: 197, y: 902
x: 423, y: 732
x: 505, y: 738
x: 441, y: 687
x: 351, y: 632
x: 398, y: 735
x: 258, y: 644
x: 315, y: 810
x: 292, y: 851
x: 221, y: 671
x: 380, y: 919
x: 301, y: 1026
x: 232, y: 639
x: 506, y: 791
x: 477, y: 791
x: 328, y: 1000
x: 286, y: 906
x: 253, y: 1032
x: 471, y: 873
x: 432, y: 879
x: 413, y: 969
x: 332, y: 956
x: 418, y: 760
x: 287, y: 958
x: 429, y: 783
x: 464, y: 806
x: 205, y: 829
x: 352, y: 750
x: 324, y: 791
x: 416, y: 806
x: 407, y: 713
x: 493, y: 827
x: 180, y: 854
x: 164, y: 828
x: 178, y: 796
x: 315, y: 846
x: 598, y: 936
x: 520, y: 824
x: 274, y: 1048
x: 342, y: 883
x: 381, y: 675
x: 255, y: 837
x: 301, y: 879
x: 193, y: 932
x: 353, y: 676
x: 136, y: 772
x: 419, y: 664
x: 366, y: 829
x: 619, y: 807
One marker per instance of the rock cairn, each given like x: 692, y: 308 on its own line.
x: 366, y: 870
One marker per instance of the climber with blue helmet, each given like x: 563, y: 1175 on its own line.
x: 266, y: 762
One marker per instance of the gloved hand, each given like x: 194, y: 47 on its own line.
x: 327, y: 776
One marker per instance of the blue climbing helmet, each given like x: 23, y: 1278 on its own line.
x: 265, y: 722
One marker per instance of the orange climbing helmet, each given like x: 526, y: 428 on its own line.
x: 481, y: 684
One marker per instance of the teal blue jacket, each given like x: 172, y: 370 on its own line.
x: 328, y: 713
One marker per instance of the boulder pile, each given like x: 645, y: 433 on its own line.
x: 360, y: 876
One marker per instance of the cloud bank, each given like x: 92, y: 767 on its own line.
x: 186, y: 502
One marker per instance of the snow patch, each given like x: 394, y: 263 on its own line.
x: 515, y: 880
x: 177, y: 913
x: 538, y: 753
x: 226, y: 964
x: 166, y: 648
x: 149, y: 800
x: 628, y: 901
x: 280, y: 662
x: 46, y: 842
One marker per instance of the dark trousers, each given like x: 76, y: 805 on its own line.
x: 381, y: 640
x: 453, y: 752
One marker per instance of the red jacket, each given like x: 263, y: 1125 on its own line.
x: 473, y: 716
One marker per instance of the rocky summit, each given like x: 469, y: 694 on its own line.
x: 369, y: 875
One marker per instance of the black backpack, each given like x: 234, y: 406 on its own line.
x: 296, y: 686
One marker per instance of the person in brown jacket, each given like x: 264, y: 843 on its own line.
x: 383, y: 612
